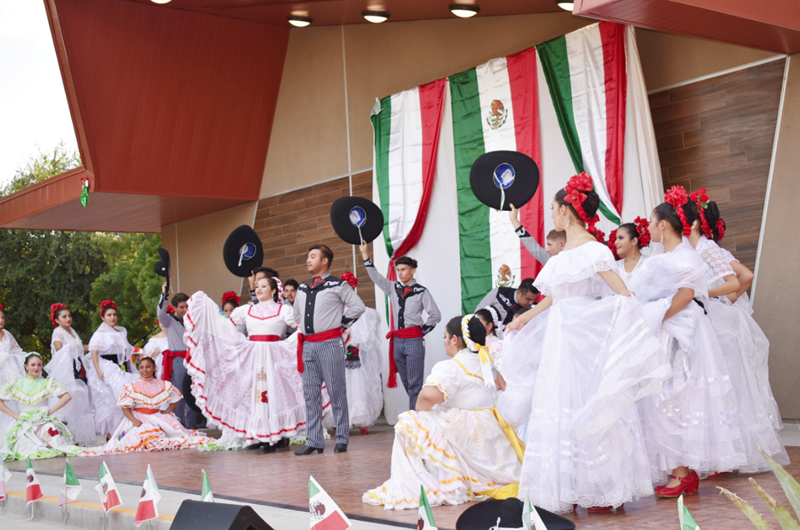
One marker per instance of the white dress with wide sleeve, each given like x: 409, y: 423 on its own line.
x: 104, y: 394
x: 64, y: 364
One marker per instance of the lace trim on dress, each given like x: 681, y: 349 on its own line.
x: 719, y: 265
x: 546, y: 285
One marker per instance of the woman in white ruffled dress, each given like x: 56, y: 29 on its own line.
x: 148, y: 424
x: 10, y: 365
x: 628, y: 241
x: 108, y: 351
x: 582, y: 359
x: 755, y: 415
x: 248, y: 386
x: 363, y: 370
x: 454, y: 443
x: 692, y: 426
x: 155, y: 345
x: 66, y: 366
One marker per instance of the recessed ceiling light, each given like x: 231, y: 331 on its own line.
x: 376, y: 17
x: 161, y: 1
x: 298, y: 22
x: 566, y: 6
x: 463, y: 11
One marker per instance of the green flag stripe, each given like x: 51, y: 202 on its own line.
x: 473, y: 217
x: 555, y: 64
x: 69, y: 477
x: 382, y: 125
x: 427, y: 505
x: 103, y: 470
x: 312, y: 489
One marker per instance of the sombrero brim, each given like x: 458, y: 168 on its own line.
x: 162, y: 267
x: 243, y: 251
x: 483, y: 516
x: 366, y: 211
x: 518, y: 173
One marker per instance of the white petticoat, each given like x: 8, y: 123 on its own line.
x: 77, y: 415
x: 10, y: 370
x: 104, y: 394
x: 364, y: 387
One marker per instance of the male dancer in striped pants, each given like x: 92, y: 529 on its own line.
x: 323, y: 307
x: 406, y: 343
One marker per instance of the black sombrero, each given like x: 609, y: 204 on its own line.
x: 162, y: 267
x: 354, y: 218
x: 501, y: 178
x: 243, y: 252
x: 484, y: 515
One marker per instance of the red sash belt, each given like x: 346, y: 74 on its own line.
x: 146, y: 411
x: 413, y: 332
x: 264, y: 338
x: 166, y: 362
x: 316, y: 337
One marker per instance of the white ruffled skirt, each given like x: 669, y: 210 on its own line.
x: 575, y: 374
x: 364, y: 387
x: 105, y: 394
x: 252, y: 389
x: 77, y: 415
x: 10, y: 370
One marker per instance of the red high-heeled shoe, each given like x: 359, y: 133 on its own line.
x: 598, y: 509
x: 364, y: 430
x: 687, y: 486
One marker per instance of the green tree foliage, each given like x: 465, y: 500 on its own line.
x: 41, y: 167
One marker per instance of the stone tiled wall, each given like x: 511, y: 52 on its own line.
x: 291, y: 222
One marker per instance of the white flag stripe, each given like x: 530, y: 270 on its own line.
x: 405, y: 164
x: 493, y: 84
x: 587, y: 80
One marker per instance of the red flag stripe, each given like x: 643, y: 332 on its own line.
x: 523, y: 78
x: 612, y: 36
x: 112, y: 501
x: 145, y: 511
x: 334, y: 521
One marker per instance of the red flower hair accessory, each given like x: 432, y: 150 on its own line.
x: 230, y: 296
x: 349, y: 278
x: 53, y: 309
x: 720, y: 229
x: 1, y: 307
x: 643, y: 231
x: 575, y: 187
x: 170, y: 310
x: 106, y: 303
x: 701, y: 199
x: 676, y: 196
x: 612, y: 237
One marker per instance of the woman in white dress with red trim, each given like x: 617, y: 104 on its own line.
x: 249, y: 386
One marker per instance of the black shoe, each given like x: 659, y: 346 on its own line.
x: 307, y: 450
x: 256, y: 445
x: 340, y: 448
x: 283, y: 442
x: 268, y: 448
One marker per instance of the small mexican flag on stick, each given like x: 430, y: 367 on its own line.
x: 71, y: 488
x: 425, y: 520
x: 325, y: 514
x: 107, y: 489
x: 148, y: 502
x: 531, y: 520
x: 206, y: 495
x: 33, y: 492
x: 685, y: 518
x: 5, y: 476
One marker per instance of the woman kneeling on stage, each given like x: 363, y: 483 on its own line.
x: 454, y: 444
x: 146, y: 427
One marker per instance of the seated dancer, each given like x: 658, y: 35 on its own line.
x: 531, y: 245
x: 363, y: 366
x: 490, y: 319
x: 148, y: 425
x: 154, y: 346
x: 230, y: 301
x: 627, y: 243
x: 249, y: 386
x: 66, y: 367
x: 35, y: 433
x: 109, y: 349
x: 408, y: 300
x: 510, y: 302
x: 10, y: 364
x: 575, y: 369
x: 454, y: 444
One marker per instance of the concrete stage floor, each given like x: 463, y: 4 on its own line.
x: 281, y: 480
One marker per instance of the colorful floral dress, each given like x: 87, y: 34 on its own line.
x: 158, y: 432
x: 66, y: 367
x: 35, y: 434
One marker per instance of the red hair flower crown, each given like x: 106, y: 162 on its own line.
x: 643, y: 231
x: 106, y: 303
x: 700, y: 198
x: 53, y: 309
x: 612, y: 237
x: 676, y: 196
x: 575, y: 189
x: 349, y: 278
x: 230, y: 296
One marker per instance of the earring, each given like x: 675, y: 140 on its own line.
x: 558, y: 225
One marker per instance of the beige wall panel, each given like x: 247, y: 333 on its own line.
x: 777, y: 303
x: 387, y: 58
x: 197, y: 264
x: 309, y: 136
x: 669, y: 59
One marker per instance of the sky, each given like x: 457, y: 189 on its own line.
x: 33, y: 106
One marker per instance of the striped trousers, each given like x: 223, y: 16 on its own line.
x: 324, y: 363
x: 409, y: 356
x: 186, y: 416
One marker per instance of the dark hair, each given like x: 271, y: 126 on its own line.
x: 486, y: 315
x: 178, y: 298
x: 291, y: 283
x: 526, y: 286
x: 229, y: 301
x: 477, y: 331
x: 274, y: 285
x: 712, y: 218
x: 590, y: 205
x: 325, y: 250
x: 555, y: 235
x: 143, y: 359
x: 632, y: 231
x: 665, y: 212
x: 106, y: 308
x: 58, y: 312
x: 269, y: 271
x: 405, y: 260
